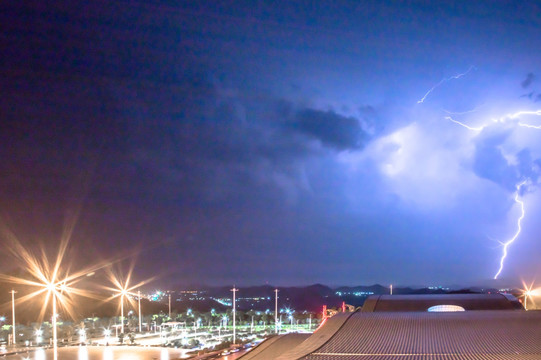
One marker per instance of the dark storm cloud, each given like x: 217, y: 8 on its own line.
x: 528, y: 95
x: 371, y: 121
x: 490, y: 163
x: 222, y: 144
x: 332, y: 129
x: 528, y: 81
x: 527, y: 167
x: 187, y: 114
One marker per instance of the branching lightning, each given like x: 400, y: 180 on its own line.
x: 443, y: 81
x: 502, y: 120
x: 519, y: 228
x: 479, y: 128
x: 515, y: 118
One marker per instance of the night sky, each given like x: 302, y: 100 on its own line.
x: 288, y: 142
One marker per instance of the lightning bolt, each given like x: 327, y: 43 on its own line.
x: 502, y: 120
x: 464, y: 125
x: 443, y: 81
x: 514, y: 117
x: 519, y: 229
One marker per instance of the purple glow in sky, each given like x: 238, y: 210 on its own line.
x: 338, y: 142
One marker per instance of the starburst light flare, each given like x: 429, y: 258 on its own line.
x: 122, y: 289
x: 529, y: 293
x: 53, y: 279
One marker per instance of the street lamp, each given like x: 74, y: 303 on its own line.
x: 51, y: 279
x: 123, y: 293
x: 224, y: 321
x: 13, y: 315
x: 169, y: 305
x: 529, y: 292
x: 139, y: 307
x: 124, y: 290
x: 107, y: 333
x: 276, y: 310
x: 52, y: 287
x: 82, y: 336
x: 234, y: 290
x: 39, y: 339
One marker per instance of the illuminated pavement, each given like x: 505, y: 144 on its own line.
x: 103, y: 353
x: 232, y: 356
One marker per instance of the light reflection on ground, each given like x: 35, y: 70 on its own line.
x: 102, y: 353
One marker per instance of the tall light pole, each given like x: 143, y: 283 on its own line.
x: 139, y: 306
x: 169, y: 305
x: 13, y: 314
x: 527, y: 294
x: 234, y: 314
x: 52, y: 288
x: 276, y: 310
x: 122, y: 310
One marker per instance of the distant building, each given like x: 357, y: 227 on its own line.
x: 378, y: 303
x: 490, y: 326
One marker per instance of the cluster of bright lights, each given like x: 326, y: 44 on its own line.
x: 53, y: 279
x: 530, y: 294
x: 121, y: 289
x: 57, y: 280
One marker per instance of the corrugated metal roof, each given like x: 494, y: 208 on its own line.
x: 318, y: 338
x: 421, y: 335
x: 425, y: 357
x: 423, y: 302
x: 271, y: 348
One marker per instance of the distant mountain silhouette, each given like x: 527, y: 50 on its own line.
x: 259, y: 298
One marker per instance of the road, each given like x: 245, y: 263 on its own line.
x: 102, y: 353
